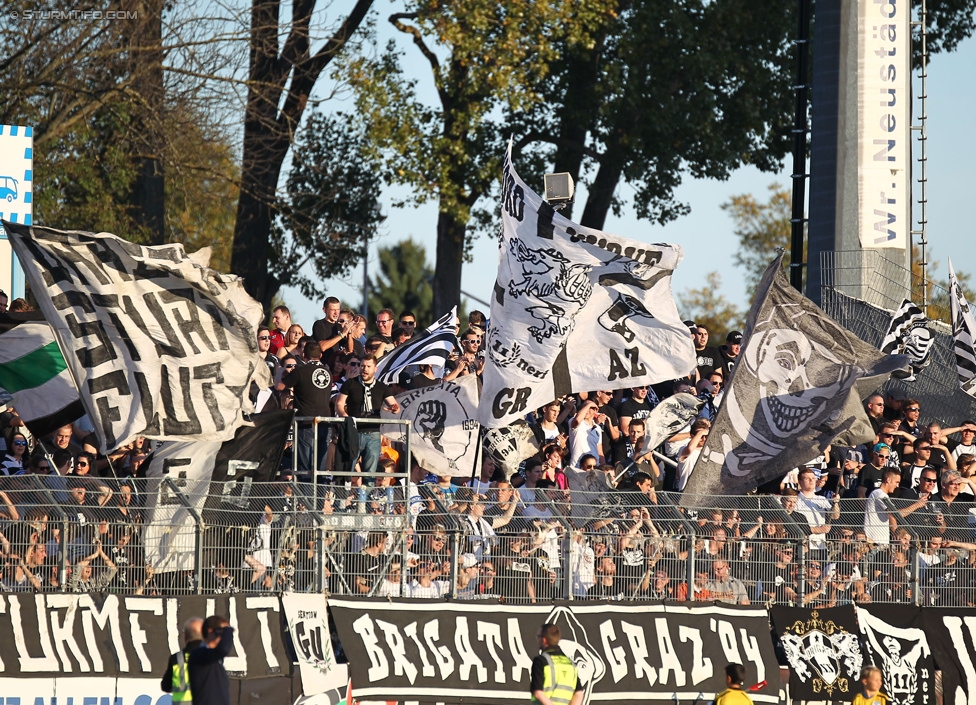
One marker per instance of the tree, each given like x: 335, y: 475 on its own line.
x: 484, y: 55
x: 331, y: 209
x: 761, y: 229
x: 280, y: 81
x: 404, y: 282
x: 706, y: 305
x: 670, y: 87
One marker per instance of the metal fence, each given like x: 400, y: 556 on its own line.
x: 516, y: 545
x: 858, y: 291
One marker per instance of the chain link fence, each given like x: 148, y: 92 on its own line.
x: 857, y: 291
x: 517, y: 545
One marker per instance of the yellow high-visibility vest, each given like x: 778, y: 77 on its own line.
x: 560, y: 679
x: 181, y: 680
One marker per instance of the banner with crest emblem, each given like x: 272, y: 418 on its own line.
x: 823, y: 649
x: 575, y: 309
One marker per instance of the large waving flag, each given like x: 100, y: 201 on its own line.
x: 432, y: 347
x: 33, y: 372
x: 963, y: 331
x: 575, y: 309
x: 797, y: 386
x: 159, y: 344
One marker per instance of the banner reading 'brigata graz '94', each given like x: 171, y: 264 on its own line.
x: 575, y: 309
x: 412, y: 650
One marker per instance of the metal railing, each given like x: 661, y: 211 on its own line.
x: 443, y: 541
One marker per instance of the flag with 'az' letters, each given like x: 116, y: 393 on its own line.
x: 575, y: 309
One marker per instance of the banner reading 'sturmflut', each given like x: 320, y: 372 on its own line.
x: 575, y: 309
x: 797, y: 386
x: 159, y: 344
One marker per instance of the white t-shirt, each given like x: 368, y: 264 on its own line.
x: 815, y: 509
x: 961, y: 449
x: 581, y: 558
x: 435, y: 589
x: 876, y: 527
x: 585, y: 439
x: 686, y: 466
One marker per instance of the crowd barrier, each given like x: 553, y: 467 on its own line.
x: 431, y: 542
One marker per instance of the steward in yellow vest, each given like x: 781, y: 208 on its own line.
x: 176, y: 679
x: 554, y: 677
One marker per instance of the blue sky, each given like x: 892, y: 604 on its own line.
x: 706, y: 233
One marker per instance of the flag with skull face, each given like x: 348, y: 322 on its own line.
x: 797, y: 388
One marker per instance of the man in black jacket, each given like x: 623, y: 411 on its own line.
x: 208, y: 679
x: 176, y: 679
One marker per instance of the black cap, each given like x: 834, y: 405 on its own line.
x: 690, y: 324
x: 735, y: 337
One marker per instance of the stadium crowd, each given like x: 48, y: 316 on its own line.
x: 590, y: 513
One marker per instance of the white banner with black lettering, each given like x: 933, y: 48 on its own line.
x: 308, y: 624
x: 403, y: 650
x: 159, y: 344
x: 575, y: 309
x: 170, y: 532
x: 98, y: 636
x: 884, y: 123
x: 444, y: 427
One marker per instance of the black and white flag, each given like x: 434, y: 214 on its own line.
x: 896, y: 643
x: 444, y: 425
x: 909, y: 334
x: 963, y: 331
x: 797, y: 386
x: 432, y: 347
x: 159, y: 344
x: 670, y: 416
x: 509, y: 445
x: 575, y: 309
x: 951, y: 633
x: 170, y: 532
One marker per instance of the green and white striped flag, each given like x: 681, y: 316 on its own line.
x: 33, y: 372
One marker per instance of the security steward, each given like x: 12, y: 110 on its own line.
x: 554, y: 677
x: 176, y: 679
x: 735, y: 676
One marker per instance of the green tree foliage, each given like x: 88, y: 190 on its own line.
x: 705, y: 305
x: 404, y: 282
x: 761, y: 228
x: 671, y: 87
x: 330, y: 211
x: 484, y: 55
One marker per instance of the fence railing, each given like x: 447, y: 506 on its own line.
x: 517, y: 545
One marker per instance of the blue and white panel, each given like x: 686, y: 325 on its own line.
x: 16, y: 197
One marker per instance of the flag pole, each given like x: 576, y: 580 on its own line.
x: 477, y: 458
